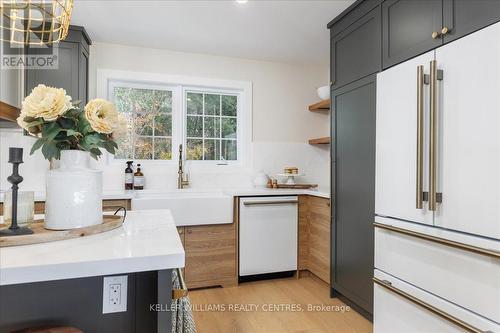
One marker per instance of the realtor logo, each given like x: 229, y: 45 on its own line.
x: 23, y: 39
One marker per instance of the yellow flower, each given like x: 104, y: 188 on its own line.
x: 102, y: 115
x: 46, y: 102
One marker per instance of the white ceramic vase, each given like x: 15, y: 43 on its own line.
x: 73, y: 193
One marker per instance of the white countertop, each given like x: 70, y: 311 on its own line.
x: 246, y: 191
x: 147, y: 241
x: 257, y: 191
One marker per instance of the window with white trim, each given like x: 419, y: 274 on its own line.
x: 207, y: 121
x: 148, y: 110
x: 211, y: 126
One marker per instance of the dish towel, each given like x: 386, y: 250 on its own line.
x: 182, y: 312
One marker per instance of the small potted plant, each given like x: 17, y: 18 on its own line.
x: 72, y: 135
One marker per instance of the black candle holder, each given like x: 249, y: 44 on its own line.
x: 16, y: 158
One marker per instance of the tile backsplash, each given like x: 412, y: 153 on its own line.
x: 271, y: 157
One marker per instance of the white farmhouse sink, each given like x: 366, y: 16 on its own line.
x: 189, y: 207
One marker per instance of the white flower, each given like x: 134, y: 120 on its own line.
x: 102, y: 115
x: 46, y: 102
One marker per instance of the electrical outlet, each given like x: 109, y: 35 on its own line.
x: 114, y: 295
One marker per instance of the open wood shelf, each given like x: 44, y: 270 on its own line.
x: 320, y: 141
x: 8, y: 112
x: 320, y: 106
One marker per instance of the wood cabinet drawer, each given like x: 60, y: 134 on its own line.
x: 470, y: 280
x: 113, y: 205
x: 210, y: 254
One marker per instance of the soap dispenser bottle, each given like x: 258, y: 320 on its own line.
x: 139, y: 179
x: 129, y: 176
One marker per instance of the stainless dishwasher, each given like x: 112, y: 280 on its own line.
x: 268, y: 235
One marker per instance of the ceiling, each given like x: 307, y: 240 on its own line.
x: 291, y: 31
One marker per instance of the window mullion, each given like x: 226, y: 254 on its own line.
x: 220, y: 127
x: 203, y: 129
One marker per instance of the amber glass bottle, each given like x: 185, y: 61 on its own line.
x: 139, y: 179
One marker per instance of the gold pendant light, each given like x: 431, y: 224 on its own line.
x: 34, y: 22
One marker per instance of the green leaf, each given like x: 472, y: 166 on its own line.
x: 83, y: 125
x: 33, y: 121
x: 50, y: 151
x: 66, y: 123
x: 95, y: 153
x: 38, y: 143
x: 71, y: 132
x: 50, y: 131
x: 108, y: 146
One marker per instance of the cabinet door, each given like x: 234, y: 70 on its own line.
x: 319, y: 238
x: 66, y: 76
x: 354, y: 184
x: 83, y: 75
x: 210, y: 255
x: 407, y: 27
x: 462, y: 17
x: 355, y: 52
x: 396, y: 165
x: 303, y: 236
x: 469, y: 150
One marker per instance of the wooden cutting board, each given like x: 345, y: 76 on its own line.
x: 42, y: 235
x: 297, y: 186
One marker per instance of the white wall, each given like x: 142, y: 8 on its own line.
x: 281, y: 92
x: 281, y: 123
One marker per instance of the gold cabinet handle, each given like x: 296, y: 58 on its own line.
x: 435, y: 35
x: 444, y: 315
x: 433, y: 137
x: 445, y: 31
x: 420, y: 138
x: 441, y: 241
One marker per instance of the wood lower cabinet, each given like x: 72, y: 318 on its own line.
x: 210, y: 255
x: 314, y: 236
x: 113, y: 205
x: 319, y: 238
x: 303, y: 232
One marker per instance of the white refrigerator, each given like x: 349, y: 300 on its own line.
x: 437, y: 223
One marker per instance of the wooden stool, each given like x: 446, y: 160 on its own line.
x: 50, y: 329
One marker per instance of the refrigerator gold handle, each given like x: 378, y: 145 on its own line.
x: 433, y: 137
x: 420, y: 138
x: 444, y: 315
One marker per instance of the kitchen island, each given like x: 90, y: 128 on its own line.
x: 62, y: 282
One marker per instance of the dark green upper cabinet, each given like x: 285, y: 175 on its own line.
x: 462, y: 17
x: 73, y: 67
x: 407, y: 28
x: 355, y: 51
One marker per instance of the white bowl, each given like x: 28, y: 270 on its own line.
x: 324, y: 92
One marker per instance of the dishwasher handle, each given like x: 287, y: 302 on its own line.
x: 270, y: 202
